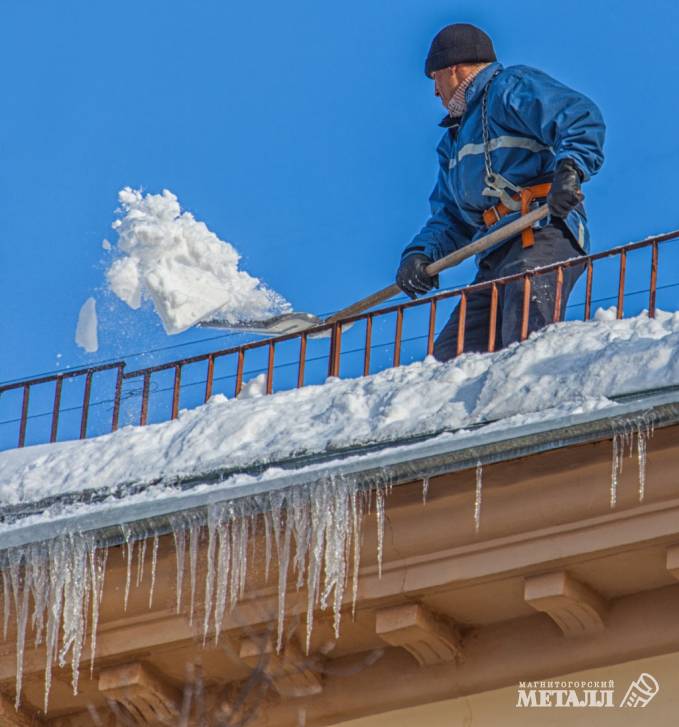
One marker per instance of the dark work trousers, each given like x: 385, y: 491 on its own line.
x: 552, y: 243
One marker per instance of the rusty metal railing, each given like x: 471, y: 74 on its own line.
x: 335, y: 331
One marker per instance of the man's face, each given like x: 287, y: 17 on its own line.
x: 446, y: 81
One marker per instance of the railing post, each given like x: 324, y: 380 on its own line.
x: 621, y: 285
x: 86, y: 405
x: 116, y: 397
x: 588, y: 291
x: 492, y: 324
x: 209, y: 378
x: 462, y: 324
x: 24, y: 415
x: 368, y: 344
x: 143, y: 416
x: 55, y: 409
x: 654, y: 279
x: 558, y: 294
x: 525, y: 308
x: 302, y: 360
x: 397, y: 337
x: 176, y: 390
x: 335, y: 347
x: 239, y: 372
x: 269, y: 368
x: 432, y: 327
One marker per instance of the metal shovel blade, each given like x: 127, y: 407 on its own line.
x: 275, y: 326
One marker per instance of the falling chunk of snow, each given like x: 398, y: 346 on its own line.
x: 170, y: 258
x: 106, y: 245
x: 86, y: 330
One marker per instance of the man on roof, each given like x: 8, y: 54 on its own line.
x: 514, y: 138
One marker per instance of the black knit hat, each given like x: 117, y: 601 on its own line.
x: 458, y: 43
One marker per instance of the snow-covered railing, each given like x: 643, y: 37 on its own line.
x: 349, y: 347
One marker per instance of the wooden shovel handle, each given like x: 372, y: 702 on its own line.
x: 455, y: 258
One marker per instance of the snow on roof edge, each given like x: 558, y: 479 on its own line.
x: 444, y: 453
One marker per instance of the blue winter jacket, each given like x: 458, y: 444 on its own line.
x: 534, y: 122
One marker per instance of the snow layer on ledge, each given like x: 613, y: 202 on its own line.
x: 174, y: 260
x: 566, y: 367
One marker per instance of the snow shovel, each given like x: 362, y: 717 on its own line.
x: 295, y: 322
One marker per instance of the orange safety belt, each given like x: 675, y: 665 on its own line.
x: 526, y: 197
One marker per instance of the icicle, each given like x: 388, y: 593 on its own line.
x: 267, y: 545
x: 252, y: 530
x: 140, y: 562
x: 425, y: 489
x: 319, y: 509
x: 38, y: 576
x: 97, y: 572
x: 154, y: 565
x: 242, y: 553
x: 641, y: 454
x: 20, y: 590
x: 194, y: 537
x: 6, y: 603
x: 180, y: 552
x: 129, y: 550
x: 76, y: 603
x: 300, y: 511
x: 223, y: 518
x: 616, y: 469
x: 340, y: 530
x: 357, y: 505
x: 379, y: 512
x: 477, y: 497
x: 234, y: 576
x: 57, y: 556
x: 283, y: 564
x: 644, y: 431
x: 209, y: 575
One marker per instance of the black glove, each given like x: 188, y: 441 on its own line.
x: 565, y: 193
x: 412, y: 278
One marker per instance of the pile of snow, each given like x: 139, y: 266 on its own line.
x: 565, y: 368
x: 167, y: 256
x: 86, y: 330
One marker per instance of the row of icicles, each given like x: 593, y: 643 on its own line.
x: 313, y: 531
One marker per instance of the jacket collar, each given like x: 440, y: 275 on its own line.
x: 474, y: 90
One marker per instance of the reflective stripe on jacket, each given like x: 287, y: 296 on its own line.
x: 534, y: 121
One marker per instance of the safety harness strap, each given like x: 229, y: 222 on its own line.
x: 525, y: 198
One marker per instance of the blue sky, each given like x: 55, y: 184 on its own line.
x: 302, y: 132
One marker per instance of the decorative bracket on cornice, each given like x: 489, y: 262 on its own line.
x: 142, y: 692
x: 291, y: 673
x: 576, y: 608
x: 672, y: 561
x: 430, y: 639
